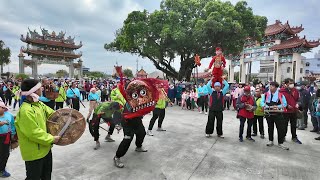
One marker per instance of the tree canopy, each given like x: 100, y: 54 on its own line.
x: 5, y: 54
x: 183, y: 28
x: 128, y: 73
x: 62, y: 73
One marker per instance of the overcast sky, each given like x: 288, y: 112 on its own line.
x: 94, y: 22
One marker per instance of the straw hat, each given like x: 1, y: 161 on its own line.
x: 3, y: 106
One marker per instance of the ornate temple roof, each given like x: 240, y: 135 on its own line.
x: 51, y: 53
x: 142, y: 72
x: 278, y: 28
x: 60, y: 43
x: 33, y: 37
x: 295, y: 42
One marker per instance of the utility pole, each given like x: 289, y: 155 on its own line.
x: 137, y: 65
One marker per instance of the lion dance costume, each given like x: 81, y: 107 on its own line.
x: 219, y: 63
x: 141, y: 96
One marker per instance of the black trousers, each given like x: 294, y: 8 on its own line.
x: 292, y: 118
x: 314, y: 122
x: 51, y: 104
x: 75, y: 104
x: 131, y: 127
x: 104, y: 98
x: 204, y: 103
x: 8, y: 100
x: 188, y: 101
x: 40, y: 169
x: 94, y: 125
x: 227, y: 103
x: 4, y: 153
x: 210, y: 124
x: 305, y: 116
x: 280, y: 124
x: 255, y: 126
x: 59, y: 105
x: 83, y: 94
x: 249, y: 125
x: 157, y: 113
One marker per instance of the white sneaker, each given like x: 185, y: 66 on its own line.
x: 200, y: 112
x: 206, y: 113
x: 283, y: 147
x: 149, y: 133
x: 207, y: 135
x: 270, y: 143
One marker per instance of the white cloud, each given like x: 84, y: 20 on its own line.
x: 95, y: 22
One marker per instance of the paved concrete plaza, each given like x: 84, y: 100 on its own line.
x: 183, y: 152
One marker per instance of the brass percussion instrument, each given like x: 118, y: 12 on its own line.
x: 67, y: 123
x: 51, y: 92
x: 249, y: 107
x: 273, y: 109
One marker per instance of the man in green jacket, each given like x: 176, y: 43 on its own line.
x: 258, y: 115
x: 35, y: 142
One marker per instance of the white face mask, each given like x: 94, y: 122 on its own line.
x: 291, y: 86
x: 298, y: 88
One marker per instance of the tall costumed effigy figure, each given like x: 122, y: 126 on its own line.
x: 217, y: 64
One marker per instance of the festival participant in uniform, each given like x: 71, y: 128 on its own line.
x: 93, y: 97
x: 35, y: 143
x: 158, y: 112
x: 216, y: 107
x: 258, y: 114
x: 111, y: 113
x: 246, y: 106
x: 7, y: 132
x: 47, y: 87
x: 62, y: 96
x: 203, y: 97
x: 16, y: 92
x: 292, y: 97
x: 74, y: 94
x: 275, y: 100
x: 219, y: 63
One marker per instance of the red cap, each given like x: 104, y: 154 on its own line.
x: 247, y: 88
x: 218, y: 49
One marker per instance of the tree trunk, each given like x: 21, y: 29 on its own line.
x: 186, y: 68
x: 1, y: 69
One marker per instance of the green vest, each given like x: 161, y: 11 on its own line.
x: 259, y: 110
x: 62, y: 95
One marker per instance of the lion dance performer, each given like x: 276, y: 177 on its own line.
x: 141, y: 96
x: 111, y: 113
x: 219, y: 63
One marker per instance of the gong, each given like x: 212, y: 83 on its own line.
x: 68, y: 123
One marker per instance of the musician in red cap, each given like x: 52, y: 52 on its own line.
x: 219, y: 63
x: 246, y: 105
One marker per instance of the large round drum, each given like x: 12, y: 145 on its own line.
x: 69, y: 119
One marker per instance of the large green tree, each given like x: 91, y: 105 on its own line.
x: 5, y: 54
x: 128, y: 73
x: 62, y: 73
x: 183, y: 28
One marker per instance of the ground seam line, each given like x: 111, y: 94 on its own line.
x: 202, y: 159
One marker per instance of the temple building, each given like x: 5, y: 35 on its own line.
x: 279, y: 54
x: 142, y: 74
x: 50, y: 48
